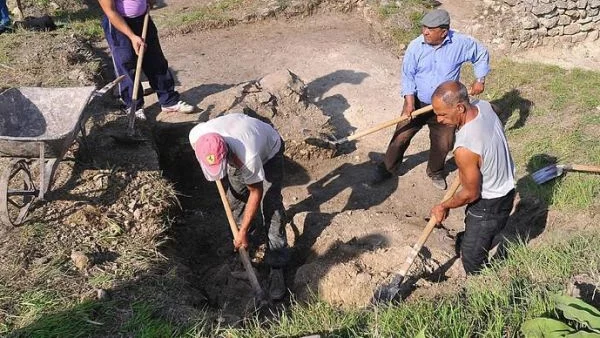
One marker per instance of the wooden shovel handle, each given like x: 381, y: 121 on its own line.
x: 138, y: 71
x: 427, y: 231
x: 586, y: 168
x: 234, y: 230
x: 389, y: 123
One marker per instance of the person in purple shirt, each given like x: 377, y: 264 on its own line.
x: 122, y: 24
x: 432, y: 58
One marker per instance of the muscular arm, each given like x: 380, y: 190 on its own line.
x: 108, y: 7
x: 470, y: 179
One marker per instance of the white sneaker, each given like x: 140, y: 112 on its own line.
x: 139, y: 114
x: 180, y: 107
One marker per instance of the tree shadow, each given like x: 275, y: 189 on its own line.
x: 335, y: 105
x: 510, y: 102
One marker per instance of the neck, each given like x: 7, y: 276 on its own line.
x: 469, y: 115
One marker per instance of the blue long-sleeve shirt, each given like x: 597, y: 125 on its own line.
x: 425, y: 67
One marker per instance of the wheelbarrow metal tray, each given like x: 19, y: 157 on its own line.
x: 29, y: 115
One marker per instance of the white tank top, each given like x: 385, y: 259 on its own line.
x: 484, y: 135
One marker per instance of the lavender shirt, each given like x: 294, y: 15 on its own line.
x: 131, y: 8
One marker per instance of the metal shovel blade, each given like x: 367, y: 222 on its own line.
x: 547, y: 173
x: 388, y: 293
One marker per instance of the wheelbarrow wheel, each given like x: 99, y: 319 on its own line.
x: 17, y: 193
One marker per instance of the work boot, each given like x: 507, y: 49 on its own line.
x: 277, y: 287
x: 439, y: 182
x: 381, y: 175
x: 179, y: 107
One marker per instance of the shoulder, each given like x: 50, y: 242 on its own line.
x: 415, y: 44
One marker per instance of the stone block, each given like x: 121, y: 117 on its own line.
x: 572, y: 13
x: 587, y: 27
x: 571, y: 4
x: 542, y: 9
x: 582, y: 13
x: 593, y: 11
x: 511, y: 2
x: 582, y: 4
x: 594, y: 3
x: 561, y: 11
x: 596, y: 18
x: 565, y: 39
x: 592, y: 36
x: 584, y: 20
x: 542, y: 31
x: 579, y: 37
x: 564, y: 20
x: 549, y: 22
x: 561, y: 4
x: 572, y: 29
x: 524, y: 36
x: 529, y: 21
x: 554, y: 31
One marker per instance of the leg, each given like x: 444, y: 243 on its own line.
x: 273, y: 212
x: 4, y: 14
x: 237, y: 194
x: 404, y: 133
x: 124, y: 61
x: 484, y: 220
x: 442, y: 141
x: 156, y: 68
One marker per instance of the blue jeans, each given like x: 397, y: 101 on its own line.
x: 4, y: 15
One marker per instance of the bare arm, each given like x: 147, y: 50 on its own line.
x: 108, y: 7
x: 256, y: 192
x: 470, y: 179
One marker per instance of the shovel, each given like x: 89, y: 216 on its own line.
x: 333, y: 144
x: 387, y: 293
x: 259, y: 293
x: 555, y: 170
x: 131, y: 137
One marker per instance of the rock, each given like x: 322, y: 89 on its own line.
x: 549, y: 23
x: 542, y: 31
x: 554, y: 31
x: 587, y: 27
x: 542, y: 9
x: 579, y: 37
x: 594, y: 3
x: 101, y: 294
x: 572, y: 29
x: 564, y: 20
x: 565, y: 39
x: 80, y: 260
x: 561, y: 4
x: 54, y: 5
x: 593, y: 12
x: 571, y: 5
x: 41, y: 260
x: 582, y: 4
x: 529, y: 22
x: 572, y: 13
x: 592, y: 36
x: 511, y: 2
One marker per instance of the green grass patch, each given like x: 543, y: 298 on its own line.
x: 216, y: 14
x: 493, y: 304
x: 144, y: 322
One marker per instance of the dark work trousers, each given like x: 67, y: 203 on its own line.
x: 441, y: 137
x: 154, y: 64
x: 271, y: 207
x: 484, y: 220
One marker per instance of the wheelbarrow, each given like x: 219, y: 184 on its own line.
x: 40, y: 124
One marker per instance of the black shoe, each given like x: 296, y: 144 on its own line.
x: 381, y: 175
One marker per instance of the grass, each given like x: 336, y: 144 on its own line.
x: 216, y: 14
x: 404, y: 20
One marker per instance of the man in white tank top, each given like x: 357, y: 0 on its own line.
x: 485, y: 168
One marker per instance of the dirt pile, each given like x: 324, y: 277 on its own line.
x: 361, y: 249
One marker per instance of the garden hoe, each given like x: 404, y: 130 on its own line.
x: 387, y: 293
x: 131, y: 137
x: 259, y: 293
x: 325, y: 143
x: 555, y: 170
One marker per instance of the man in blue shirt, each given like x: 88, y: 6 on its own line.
x: 434, y: 57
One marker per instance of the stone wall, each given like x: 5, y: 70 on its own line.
x: 529, y: 23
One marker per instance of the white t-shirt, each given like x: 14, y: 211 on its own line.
x: 252, y: 141
x: 484, y: 135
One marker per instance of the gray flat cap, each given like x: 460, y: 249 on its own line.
x: 436, y: 18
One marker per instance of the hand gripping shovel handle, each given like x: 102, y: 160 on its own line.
x: 389, y: 292
x: 136, y: 81
x: 243, y: 253
x: 384, y: 125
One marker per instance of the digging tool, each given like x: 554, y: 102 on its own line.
x: 325, y: 143
x: 130, y: 137
x: 258, y: 291
x: 387, y: 293
x: 555, y: 170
